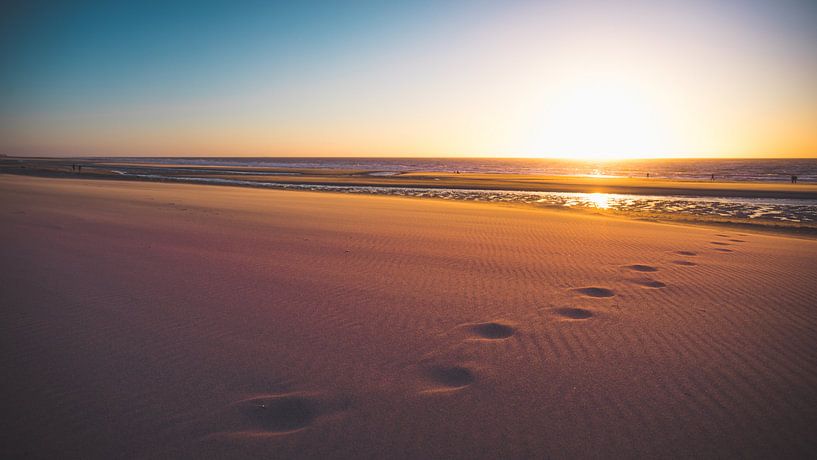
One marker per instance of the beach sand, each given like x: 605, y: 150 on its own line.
x: 158, y: 320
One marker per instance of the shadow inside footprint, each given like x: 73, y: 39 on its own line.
x: 281, y: 413
x: 595, y: 292
x: 723, y: 250
x: 451, y: 376
x: 719, y: 243
x: 641, y: 268
x: 494, y: 331
x: 686, y: 253
x: 650, y: 283
x: 575, y: 313
x: 737, y: 241
x: 684, y: 262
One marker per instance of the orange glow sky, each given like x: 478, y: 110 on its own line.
x: 581, y: 79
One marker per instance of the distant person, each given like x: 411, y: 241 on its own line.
x: 648, y: 175
x: 73, y: 167
x: 793, y: 179
x: 713, y: 177
x: 79, y: 168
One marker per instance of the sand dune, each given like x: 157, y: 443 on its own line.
x: 179, y: 321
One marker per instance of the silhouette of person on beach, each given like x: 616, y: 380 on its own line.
x: 79, y: 168
x: 73, y: 167
x: 713, y: 177
x: 793, y: 179
x: 648, y: 175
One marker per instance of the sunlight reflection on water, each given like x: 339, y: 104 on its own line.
x: 599, y: 200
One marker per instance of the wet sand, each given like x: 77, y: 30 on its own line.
x: 155, y: 320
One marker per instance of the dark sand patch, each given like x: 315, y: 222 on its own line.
x: 641, y: 268
x: 493, y: 330
x: 281, y: 414
x: 684, y: 263
x: 451, y: 376
x: 654, y: 284
x: 575, y: 313
x: 595, y: 292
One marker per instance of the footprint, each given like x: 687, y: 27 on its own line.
x: 650, y: 283
x: 641, y: 268
x: 722, y: 235
x: 575, y: 313
x: 737, y: 241
x: 493, y: 330
x: 723, y: 250
x: 684, y: 262
x: 451, y: 377
x: 595, y: 292
x: 719, y: 243
x: 686, y: 253
x: 280, y: 413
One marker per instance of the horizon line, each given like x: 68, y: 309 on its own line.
x: 421, y: 157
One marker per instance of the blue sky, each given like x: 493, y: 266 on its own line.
x: 408, y: 78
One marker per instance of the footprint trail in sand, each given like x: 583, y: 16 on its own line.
x: 282, y: 414
x: 493, y: 330
x: 575, y: 313
x: 595, y: 291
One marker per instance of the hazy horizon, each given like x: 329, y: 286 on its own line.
x: 578, y: 80
x: 420, y: 157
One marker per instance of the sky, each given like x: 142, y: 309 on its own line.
x: 555, y: 79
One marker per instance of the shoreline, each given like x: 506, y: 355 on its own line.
x: 470, y: 187
x: 772, y: 227
x: 478, y: 181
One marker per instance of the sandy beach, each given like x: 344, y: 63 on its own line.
x: 155, y: 320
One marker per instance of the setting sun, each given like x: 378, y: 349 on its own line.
x: 604, y: 120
